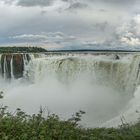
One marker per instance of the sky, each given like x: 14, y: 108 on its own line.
x: 70, y: 24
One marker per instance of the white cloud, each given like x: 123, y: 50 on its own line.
x: 130, y: 41
x: 69, y: 23
x: 51, y: 37
x: 129, y: 32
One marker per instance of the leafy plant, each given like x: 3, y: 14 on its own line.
x: 20, y: 126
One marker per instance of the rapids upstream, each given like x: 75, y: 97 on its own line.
x: 104, y: 85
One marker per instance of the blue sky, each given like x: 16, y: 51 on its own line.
x: 70, y: 24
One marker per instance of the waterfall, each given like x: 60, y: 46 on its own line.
x: 11, y: 65
x: 121, y: 72
x: 101, y: 84
x: 5, y: 68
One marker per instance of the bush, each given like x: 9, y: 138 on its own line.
x: 20, y: 126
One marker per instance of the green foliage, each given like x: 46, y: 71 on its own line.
x: 21, y: 50
x: 20, y: 126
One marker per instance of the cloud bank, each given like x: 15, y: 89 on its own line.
x: 70, y: 24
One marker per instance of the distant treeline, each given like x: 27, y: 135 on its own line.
x: 96, y: 50
x: 21, y: 50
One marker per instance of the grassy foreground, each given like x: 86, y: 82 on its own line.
x: 19, y: 126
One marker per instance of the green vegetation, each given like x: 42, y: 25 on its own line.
x: 21, y: 50
x: 20, y: 126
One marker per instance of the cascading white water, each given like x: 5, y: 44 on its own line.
x: 11, y: 65
x: 5, y: 67
x: 122, y: 74
x: 100, y: 84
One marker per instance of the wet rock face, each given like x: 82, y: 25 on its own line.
x: 18, y: 66
x: 12, y: 65
x: 5, y: 65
